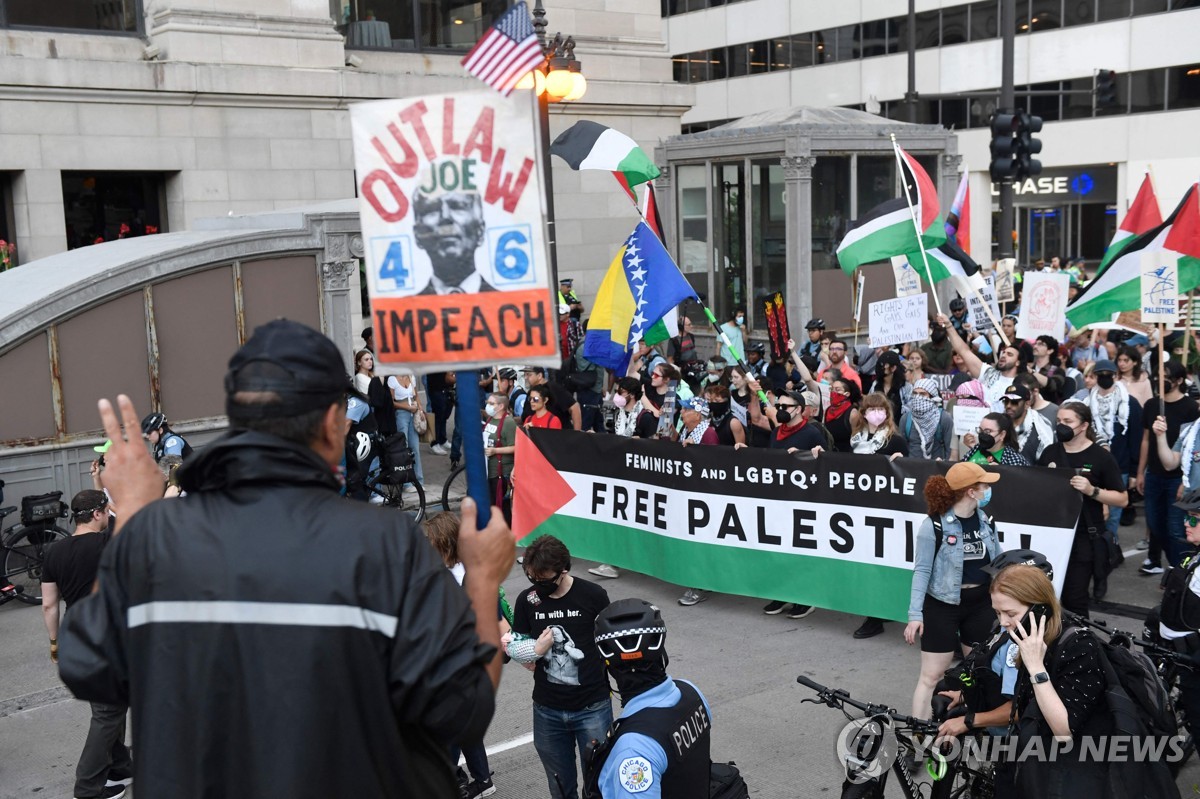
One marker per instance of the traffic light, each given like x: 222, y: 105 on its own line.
x: 1003, y: 147
x: 1027, y: 146
x: 1106, y: 88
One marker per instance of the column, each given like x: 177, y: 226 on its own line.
x: 797, y: 177
x: 339, y: 284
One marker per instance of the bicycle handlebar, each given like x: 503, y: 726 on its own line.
x: 1122, y: 638
x: 836, y: 697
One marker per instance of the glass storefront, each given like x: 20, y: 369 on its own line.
x: 1068, y: 212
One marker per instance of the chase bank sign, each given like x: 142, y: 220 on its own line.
x: 1087, y: 184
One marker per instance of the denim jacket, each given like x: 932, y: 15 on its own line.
x: 942, y: 578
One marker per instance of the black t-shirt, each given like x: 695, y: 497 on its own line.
x: 1180, y: 412
x: 560, y: 404
x: 840, y: 429
x: 974, y: 551
x: 646, y: 425
x: 571, y: 676
x: 72, y: 563
x: 1102, y: 472
x: 436, y: 381
x: 803, y: 439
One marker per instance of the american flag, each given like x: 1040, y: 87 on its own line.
x: 506, y: 52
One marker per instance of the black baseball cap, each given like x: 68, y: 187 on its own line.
x: 1016, y: 392
x: 537, y: 370
x: 1104, y: 365
x: 292, y: 360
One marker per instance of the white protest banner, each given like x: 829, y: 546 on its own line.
x: 1005, y: 268
x: 858, y: 297
x: 1160, y: 287
x: 1043, y: 306
x: 452, y: 225
x: 908, y: 282
x: 977, y: 316
x: 966, y: 420
x: 899, y: 320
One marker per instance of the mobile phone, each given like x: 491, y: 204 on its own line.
x: 1035, y: 614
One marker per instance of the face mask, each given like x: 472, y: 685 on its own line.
x: 987, y: 442
x: 923, y: 406
x: 938, y: 335
x: 718, y: 409
x: 876, y: 417
x: 1105, y: 381
x: 619, y: 400
x: 490, y: 410
x: 1063, y: 433
x: 545, y: 588
x: 783, y: 415
x: 836, y: 397
x: 986, y: 498
x: 741, y: 320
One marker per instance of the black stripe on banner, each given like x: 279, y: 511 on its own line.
x: 1026, y: 495
x: 575, y: 143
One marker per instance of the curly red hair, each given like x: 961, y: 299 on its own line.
x: 939, y: 496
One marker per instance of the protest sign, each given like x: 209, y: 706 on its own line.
x: 898, y: 320
x: 1004, y: 279
x: 1133, y: 321
x: 976, y: 315
x: 908, y: 282
x: 838, y: 532
x: 452, y: 224
x: 1043, y: 306
x: 778, y: 329
x: 858, y: 298
x: 966, y: 420
x: 1160, y: 287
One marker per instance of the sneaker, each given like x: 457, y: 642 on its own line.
x: 604, y: 570
x: 521, y: 561
x: 800, y: 611
x: 775, y: 607
x: 1150, y: 568
x: 119, y: 778
x: 112, y: 792
x: 439, y: 449
x: 869, y: 629
x: 692, y: 596
x: 1143, y: 544
x: 477, y: 789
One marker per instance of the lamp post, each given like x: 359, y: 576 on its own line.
x: 558, y: 79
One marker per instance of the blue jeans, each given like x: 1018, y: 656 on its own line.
x: 1164, y: 520
x: 477, y: 762
x: 1113, y: 525
x: 557, y: 733
x: 404, y: 424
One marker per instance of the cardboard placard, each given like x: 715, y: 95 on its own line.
x: 452, y: 225
x: 1005, y: 268
x: 899, y: 320
x: 858, y: 298
x: 908, y: 282
x: 966, y: 420
x: 978, y: 317
x: 1160, y: 287
x: 1043, y: 306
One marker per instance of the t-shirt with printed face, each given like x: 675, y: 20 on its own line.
x: 974, y: 552
x: 571, y: 675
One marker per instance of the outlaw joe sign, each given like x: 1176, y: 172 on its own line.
x: 451, y: 213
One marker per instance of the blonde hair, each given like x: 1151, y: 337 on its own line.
x: 869, y: 402
x: 1030, y: 586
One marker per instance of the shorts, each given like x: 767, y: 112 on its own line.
x: 968, y: 622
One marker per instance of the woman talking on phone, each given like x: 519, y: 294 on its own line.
x: 949, y: 605
x: 1098, y: 478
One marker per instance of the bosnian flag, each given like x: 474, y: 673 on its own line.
x: 1119, y: 287
x: 888, y: 229
x: 590, y: 145
x: 1142, y: 216
x: 668, y: 326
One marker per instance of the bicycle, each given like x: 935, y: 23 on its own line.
x: 950, y: 779
x: 455, y: 488
x: 24, y: 544
x: 394, y: 496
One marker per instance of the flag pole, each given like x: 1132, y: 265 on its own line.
x: 912, y: 212
x: 1162, y: 362
x: 1187, y: 326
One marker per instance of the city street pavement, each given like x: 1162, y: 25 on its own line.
x: 744, y: 661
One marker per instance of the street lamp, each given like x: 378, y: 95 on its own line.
x: 558, y: 79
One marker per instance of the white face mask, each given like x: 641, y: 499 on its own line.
x: 490, y: 410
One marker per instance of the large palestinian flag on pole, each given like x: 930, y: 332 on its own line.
x: 1143, y: 215
x: 888, y: 228
x: 590, y: 145
x: 1118, y: 288
x: 839, y: 532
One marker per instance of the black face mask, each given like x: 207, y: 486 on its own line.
x: 1063, y: 433
x: 938, y: 335
x: 718, y: 409
x: 987, y: 442
x: 1105, y: 381
x: 633, y: 682
x: 783, y: 415
x: 544, y: 588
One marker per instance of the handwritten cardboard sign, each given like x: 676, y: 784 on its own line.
x: 1005, y: 268
x: 978, y: 317
x: 451, y: 208
x: 899, y: 320
x: 966, y: 420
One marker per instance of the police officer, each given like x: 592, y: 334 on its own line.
x: 158, y: 433
x: 756, y: 359
x: 958, y: 316
x: 816, y: 329
x: 1179, y: 615
x: 659, y: 747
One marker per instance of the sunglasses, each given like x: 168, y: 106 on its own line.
x: 535, y: 399
x: 782, y: 405
x: 1192, y: 521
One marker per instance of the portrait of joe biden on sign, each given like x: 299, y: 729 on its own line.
x: 449, y: 227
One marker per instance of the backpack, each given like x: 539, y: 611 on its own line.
x: 398, y: 461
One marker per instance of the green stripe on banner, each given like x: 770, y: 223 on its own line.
x: 881, y: 591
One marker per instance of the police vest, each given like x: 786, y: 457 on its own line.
x: 160, y: 449
x: 683, y: 731
x: 1180, y: 605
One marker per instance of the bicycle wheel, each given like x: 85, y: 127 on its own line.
x: 454, y: 489
x: 23, y: 557
x: 414, y: 506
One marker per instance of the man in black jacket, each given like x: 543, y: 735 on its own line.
x: 271, y: 638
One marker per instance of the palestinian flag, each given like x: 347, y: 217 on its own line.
x: 1118, y: 288
x: 1142, y: 216
x: 948, y: 260
x: 589, y: 145
x: 888, y: 228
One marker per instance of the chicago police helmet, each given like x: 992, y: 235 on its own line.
x: 1027, y: 557
x: 152, y: 422
x: 630, y: 632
